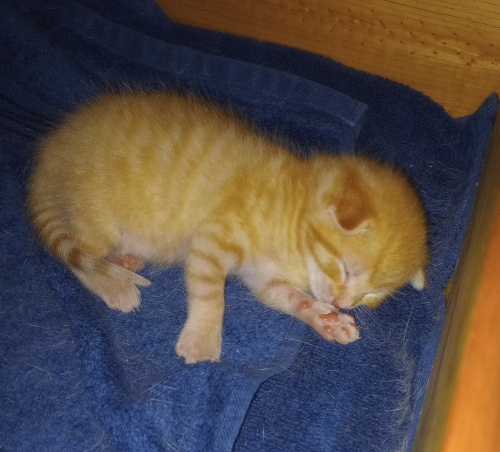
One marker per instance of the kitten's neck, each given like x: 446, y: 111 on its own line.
x: 281, y: 196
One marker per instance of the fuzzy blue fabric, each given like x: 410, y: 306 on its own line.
x: 75, y: 376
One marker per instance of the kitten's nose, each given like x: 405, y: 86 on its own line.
x: 343, y: 300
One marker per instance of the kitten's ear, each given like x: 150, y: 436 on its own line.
x: 419, y: 281
x: 351, y: 212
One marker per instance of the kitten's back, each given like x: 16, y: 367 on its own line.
x: 151, y: 165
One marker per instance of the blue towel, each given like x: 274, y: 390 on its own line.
x: 75, y: 376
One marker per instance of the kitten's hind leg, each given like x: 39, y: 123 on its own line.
x: 117, y: 286
x: 323, y: 317
x: 104, y: 270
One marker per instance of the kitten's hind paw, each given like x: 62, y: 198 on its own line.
x: 122, y: 296
x: 118, y: 287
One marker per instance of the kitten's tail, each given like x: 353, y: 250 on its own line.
x: 116, y: 285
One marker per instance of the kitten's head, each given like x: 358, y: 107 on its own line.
x: 367, y: 237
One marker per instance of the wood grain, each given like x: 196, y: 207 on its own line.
x: 450, y: 50
x: 462, y: 405
x: 476, y: 399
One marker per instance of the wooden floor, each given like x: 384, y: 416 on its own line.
x: 450, y: 50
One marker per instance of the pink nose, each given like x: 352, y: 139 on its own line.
x: 342, y: 301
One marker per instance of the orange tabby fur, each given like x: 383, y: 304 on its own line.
x: 167, y: 179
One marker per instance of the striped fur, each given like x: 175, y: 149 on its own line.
x: 167, y: 179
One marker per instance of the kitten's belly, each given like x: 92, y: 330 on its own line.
x: 152, y: 249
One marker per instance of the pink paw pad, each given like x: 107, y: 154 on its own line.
x: 328, y: 330
x: 303, y: 305
x: 330, y: 317
x: 342, y: 335
x: 337, y: 326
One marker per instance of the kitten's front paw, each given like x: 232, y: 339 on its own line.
x: 196, y: 347
x: 340, y: 327
x: 329, y: 322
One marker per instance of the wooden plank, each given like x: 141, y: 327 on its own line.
x: 462, y: 406
x: 476, y: 399
x: 450, y: 50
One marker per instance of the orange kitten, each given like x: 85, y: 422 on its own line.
x: 167, y: 179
